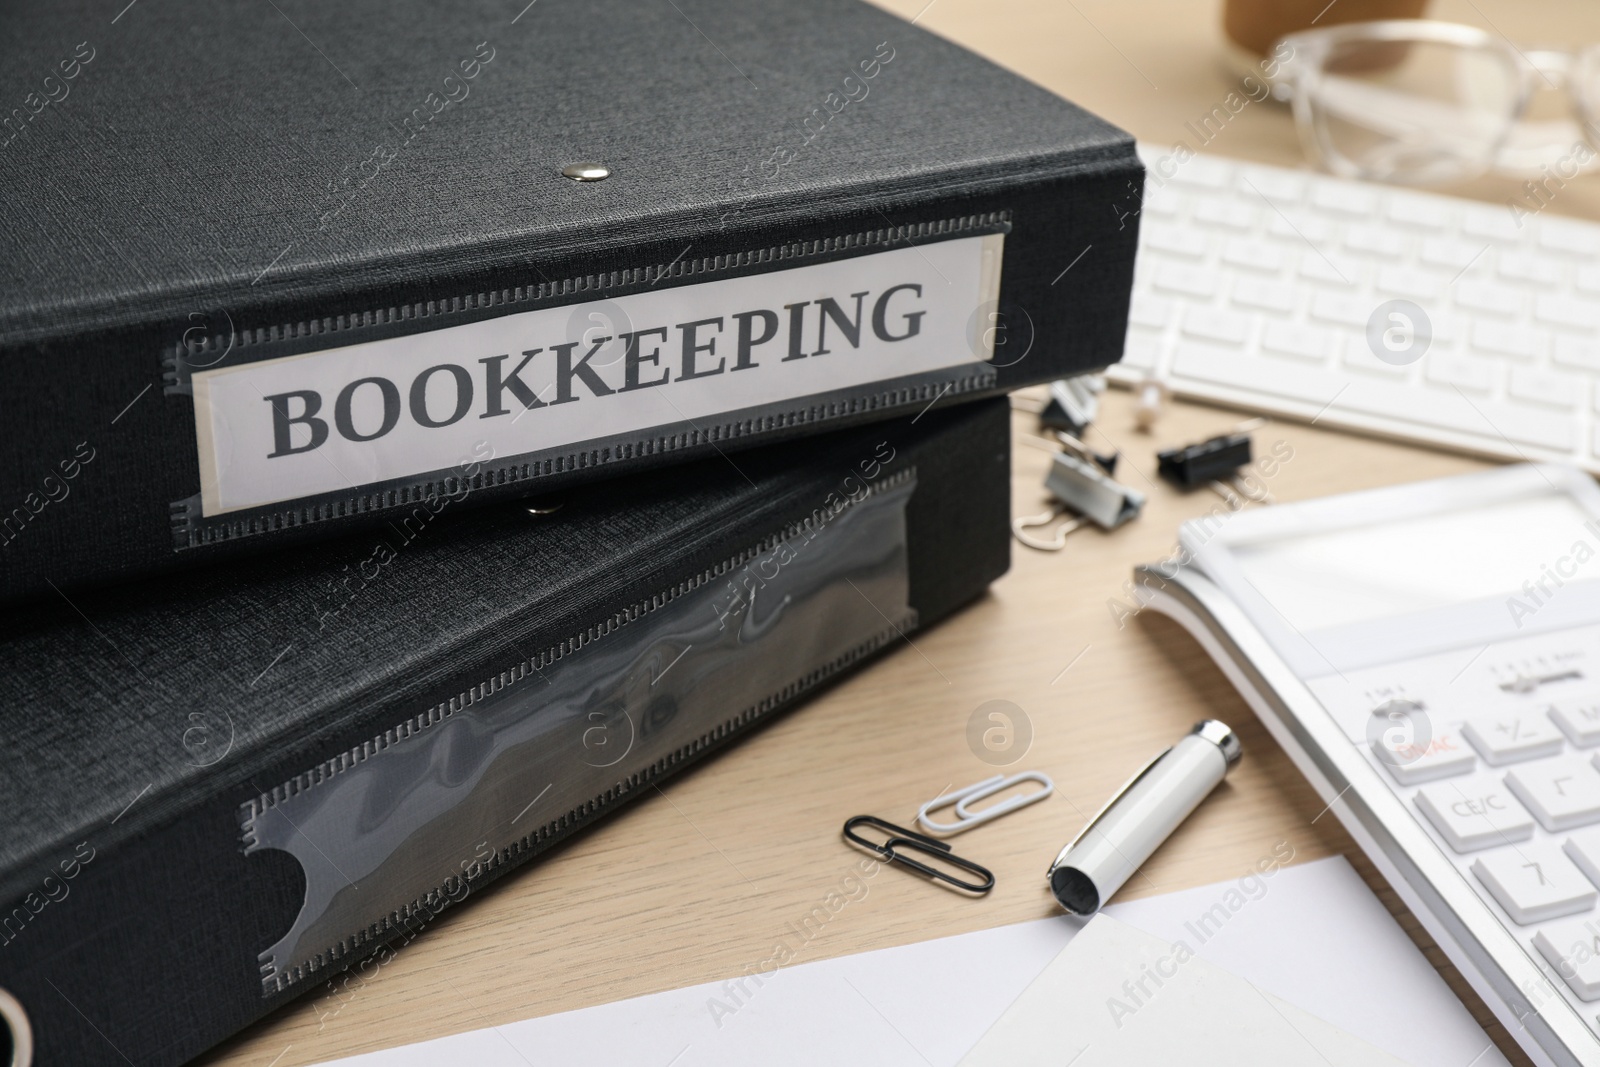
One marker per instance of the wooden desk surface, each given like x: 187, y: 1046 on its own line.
x: 694, y: 883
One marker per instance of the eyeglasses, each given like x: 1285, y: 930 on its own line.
x: 1418, y: 101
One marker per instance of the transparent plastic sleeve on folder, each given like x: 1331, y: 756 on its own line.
x: 396, y: 830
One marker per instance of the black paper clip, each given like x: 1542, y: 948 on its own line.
x: 910, y: 840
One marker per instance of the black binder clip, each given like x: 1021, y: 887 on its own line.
x: 1211, y: 460
x: 903, y: 840
x: 1073, y: 404
x: 1214, y: 462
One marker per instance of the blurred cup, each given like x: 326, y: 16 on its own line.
x: 1253, y: 26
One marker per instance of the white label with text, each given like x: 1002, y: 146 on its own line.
x: 321, y: 422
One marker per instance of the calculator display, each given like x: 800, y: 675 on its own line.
x: 1531, y: 549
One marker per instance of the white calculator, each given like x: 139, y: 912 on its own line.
x: 1429, y: 656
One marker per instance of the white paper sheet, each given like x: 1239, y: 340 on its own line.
x: 1117, y: 996
x: 1312, y: 934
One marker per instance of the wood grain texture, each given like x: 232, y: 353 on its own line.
x: 695, y: 883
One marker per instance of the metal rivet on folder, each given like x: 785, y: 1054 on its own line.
x: 587, y: 172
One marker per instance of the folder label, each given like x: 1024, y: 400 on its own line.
x: 299, y: 426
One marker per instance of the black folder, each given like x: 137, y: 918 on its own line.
x: 270, y: 272
x: 221, y: 793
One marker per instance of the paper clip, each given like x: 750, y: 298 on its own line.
x: 909, y: 840
x: 962, y: 798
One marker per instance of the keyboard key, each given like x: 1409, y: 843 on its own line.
x: 1279, y: 186
x: 1301, y: 228
x: 1345, y: 198
x: 1579, y: 720
x: 1535, y: 882
x: 1206, y: 172
x: 1342, y: 309
x: 1549, y: 387
x: 1253, y: 255
x: 1587, y: 278
x: 1563, y: 794
x: 1376, y: 241
x: 1580, y: 352
x: 1190, y: 281
x: 1564, y: 235
x: 1530, y: 267
x: 1572, y: 947
x: 1493, y: 298
x: 1520, y: 341
x: 1513, y: 736
x: 1452, y: 254
x: 1151, y: 311
x: 1302, y: 341
x: 1411, y: 763
x: 1175, y: 239
x: 1142, y: 349
x: 1162, y: 201
x: 1425, y: 212
x: 1229, y: 213
x: 1497, y: 226
x: 1473, y: 815
x: 1230, y: 327
x: 1267, y: 295
x: 1473, y: 373
x: 1358, y: 356
x: 1410, y: 281
x: 1334, y: 268
x: 1572, y: 311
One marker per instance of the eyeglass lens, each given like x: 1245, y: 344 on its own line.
x: 1412, y: 111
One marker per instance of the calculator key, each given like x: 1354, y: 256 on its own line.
x: 1583, y: 848
x: 1572, y: 947
x: 1474, y: 815
x: 1514, y: 736
x: 1561, y: 793
x: 1413, y: 763
x: 1579, y: 720
x: 1535, y: 882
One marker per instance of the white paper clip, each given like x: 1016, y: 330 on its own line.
x: 964, y: 797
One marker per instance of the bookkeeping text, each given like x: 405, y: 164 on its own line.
x: 492, y: 386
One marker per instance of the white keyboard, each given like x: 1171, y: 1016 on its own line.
x: 1255, y: 286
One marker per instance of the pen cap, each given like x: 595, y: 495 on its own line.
x: 1143, y: 814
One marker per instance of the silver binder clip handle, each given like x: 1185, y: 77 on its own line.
x: 1022, y: 528
x: 1087, y: 490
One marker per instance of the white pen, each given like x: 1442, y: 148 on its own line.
x: 1132, y: 825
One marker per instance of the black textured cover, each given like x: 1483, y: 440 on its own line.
x: 133, y: 917
x: 189, y: 173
